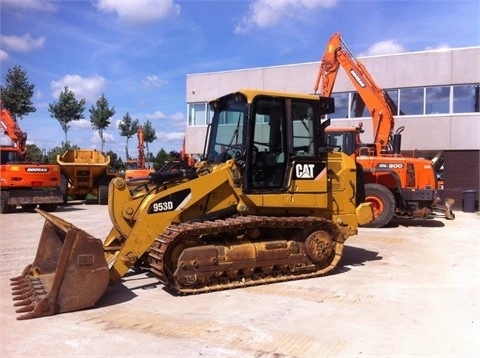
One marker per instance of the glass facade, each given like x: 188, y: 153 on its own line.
x: 466, y: 98
x: 197, y: 114
x: 404, y: 102
x: 414, y: 101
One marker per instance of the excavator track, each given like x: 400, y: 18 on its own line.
x: 197, y: 257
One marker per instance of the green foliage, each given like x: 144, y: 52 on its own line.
x: 34, y: 153
x: 67, y: 109
x: 174, y: 154
x: 150, y: 158
x: 100, y: 117
x: 160, y: 159
x: 128, y: 128
x: 115, y: 161
x: 149, y: 134
x: 17, y: 93
x: 52, y: 153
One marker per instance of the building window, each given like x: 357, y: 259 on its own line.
x: 437, y: 99
x: 341, y: 105
x: 358, y: 108
x: 411, y: 101
x: 466, y: 98
x: 197, y: 114
x: 391, y: 96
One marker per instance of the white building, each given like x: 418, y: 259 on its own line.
x: 437, y: 94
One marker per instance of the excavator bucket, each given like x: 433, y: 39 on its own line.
x: 69, y: 272
x: 445, y: 209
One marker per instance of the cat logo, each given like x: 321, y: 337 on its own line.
x: 304, y: 171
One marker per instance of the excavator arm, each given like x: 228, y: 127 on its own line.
x: 141, y: 148
x: 13, y: 131
x: 337, y: 54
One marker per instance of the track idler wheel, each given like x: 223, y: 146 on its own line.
x: 319, y: 247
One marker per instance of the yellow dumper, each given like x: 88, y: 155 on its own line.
x: 86, y: 171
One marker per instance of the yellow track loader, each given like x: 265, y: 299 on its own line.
x: 269, y: 202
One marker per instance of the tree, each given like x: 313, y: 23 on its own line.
x: 100, y: 117
x: 52, y: 153
x: 17, y: 94
x: 128, y: 128
x: 149, y: 134
x: 160, y: 159
x: 34, y: 153
x: 115, y: 161
x: 67, y: 109
x: 175, y: 155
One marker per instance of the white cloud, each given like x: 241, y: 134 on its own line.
x: 6, y: 140
x: 81, y: 123
x: 107, y: 137
x: 40, y: 5
x: 178, y: 119
x: 89, y: 88
x: 154, y: 81
x: 24, y: 43
x: 169, y: 136
x: 140, y: 11
x: 156, y: 116
x: 175, y: 120
x: 441, y: 47
x: 267, y: 13
x: 386, y: 47
x: 3, y: 56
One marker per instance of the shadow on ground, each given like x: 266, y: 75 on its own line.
x: 433, y: 223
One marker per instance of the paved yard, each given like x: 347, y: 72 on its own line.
x: 408, y: 290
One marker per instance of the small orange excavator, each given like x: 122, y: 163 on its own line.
x: 22, y: 182
x: 397, y: 186
x: 136, y: 168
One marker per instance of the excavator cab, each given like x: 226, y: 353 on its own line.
x: 342, y: 140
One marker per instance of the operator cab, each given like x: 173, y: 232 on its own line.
x: 265, y: 132
x: 9, y: 157
x: 341, y: 140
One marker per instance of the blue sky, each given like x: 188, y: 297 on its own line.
x: 138, y: 53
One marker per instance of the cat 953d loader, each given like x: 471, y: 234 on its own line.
x: 269, y: 202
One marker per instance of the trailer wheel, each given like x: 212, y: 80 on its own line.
x: 103, y: 194
x: 383, y: 203
x: 64, y: 188
x: 5, y: 208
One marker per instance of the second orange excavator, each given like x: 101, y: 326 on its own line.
x: 397, y: 186
x: 136, y: 168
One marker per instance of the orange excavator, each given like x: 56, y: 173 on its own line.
x: 24, y: 182
x: 397, y: 186
x: 136, y: 168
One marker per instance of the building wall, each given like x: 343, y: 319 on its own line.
x: 442, y: 67
x: 458, y: 134
x: 462, y: 174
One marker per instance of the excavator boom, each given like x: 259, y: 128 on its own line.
x: 337, y: 54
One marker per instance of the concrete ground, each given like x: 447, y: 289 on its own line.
x: 408, y: 290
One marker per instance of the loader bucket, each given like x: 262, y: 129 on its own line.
x: 69, y: 272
